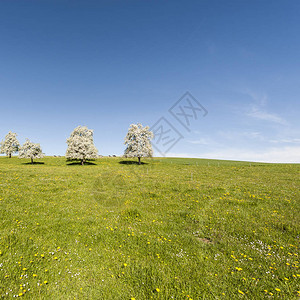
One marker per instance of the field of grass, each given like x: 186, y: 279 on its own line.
x: 167, y: 229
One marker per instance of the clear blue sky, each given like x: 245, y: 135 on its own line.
x: 107, y: 64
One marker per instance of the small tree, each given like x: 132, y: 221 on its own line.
x: 138, y: 141
x: 30, y: 150
x: 81, y: 145
x: 10, y: 145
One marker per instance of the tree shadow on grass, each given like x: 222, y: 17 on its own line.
x: 131, y: 162
x: 78, y: 163
x: 34, y: 163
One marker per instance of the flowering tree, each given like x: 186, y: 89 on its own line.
x: 81, y: 145
x: 30, y: 150
x: 138, y: 141
x: 10, y: 145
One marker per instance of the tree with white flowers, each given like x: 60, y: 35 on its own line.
x: 10, y: 145
x: 81, y: 145
x: 31, y: 150
x: 138, y: 141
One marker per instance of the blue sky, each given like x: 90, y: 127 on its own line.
x: 107, y: 64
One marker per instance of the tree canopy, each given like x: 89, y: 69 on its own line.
x: 10, y: 144
x: 30, y: 150
x: 81, y: 145
x: 138, y: 141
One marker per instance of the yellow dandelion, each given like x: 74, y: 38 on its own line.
x: 157, y: 289
x: 277, y: 289
x: 241, y: 292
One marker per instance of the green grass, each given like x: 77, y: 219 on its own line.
x: 168, y: 229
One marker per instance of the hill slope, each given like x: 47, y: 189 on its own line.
x: 170, y: 228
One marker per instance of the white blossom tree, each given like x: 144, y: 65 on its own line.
x: 10, y: 144
x: 138, y: 141
x: 81, y: 145
x: 31, y: 150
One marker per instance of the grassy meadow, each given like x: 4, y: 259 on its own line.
x: 168, y: 229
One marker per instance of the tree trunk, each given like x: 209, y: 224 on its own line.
x: 31, y: 160
x: 82, y: 162
x: 139, y: 160
x: 9, y: 155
